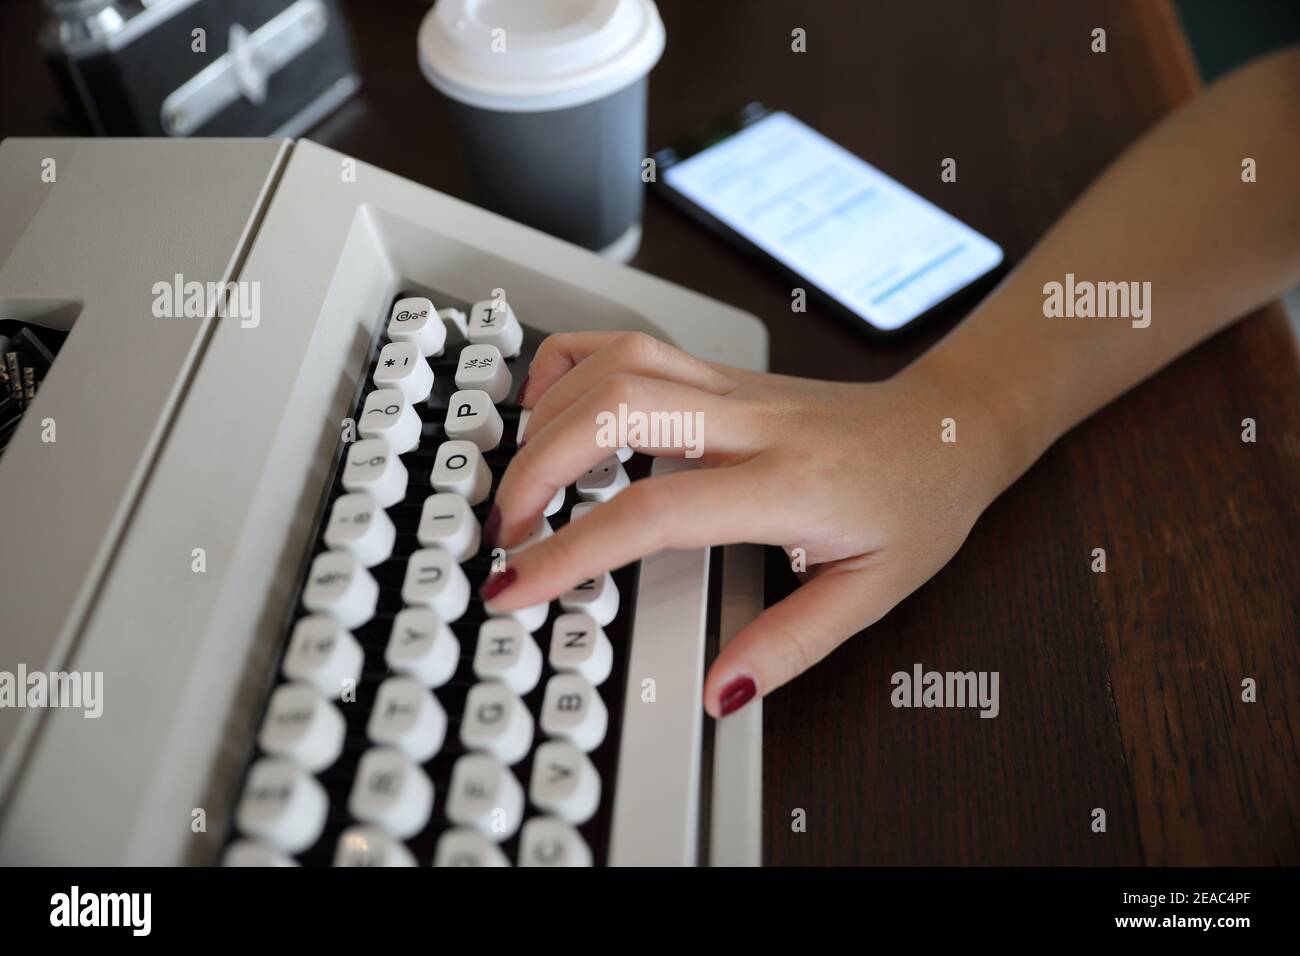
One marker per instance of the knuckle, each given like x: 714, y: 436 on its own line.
x: 639, y: 348
x: 619, y: 388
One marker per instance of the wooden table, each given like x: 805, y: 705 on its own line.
x: 1119, y: 690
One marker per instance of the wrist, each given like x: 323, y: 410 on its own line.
x: 992, y: 413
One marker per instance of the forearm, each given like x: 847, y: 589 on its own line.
x: 1172, y: 211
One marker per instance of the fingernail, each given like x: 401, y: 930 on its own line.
x: 523, y: 387
x: 497, y: 582
x: 736, y: 694
x: 492, y: 527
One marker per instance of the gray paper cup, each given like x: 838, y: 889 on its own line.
x: 549, y: 103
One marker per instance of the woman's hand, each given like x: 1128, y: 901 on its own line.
x: 858, y: 476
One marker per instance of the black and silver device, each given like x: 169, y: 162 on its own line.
x: 200, y: 67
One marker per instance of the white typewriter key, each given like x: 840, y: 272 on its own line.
x: 359, y: 526
x: 581, y: 508
x: 547, y: 841
x: 388, y: 415
x: 422, y: 646
x: 579, y: 644
x: 458, y: 320
x: 302, y: 725
x: 472, y: 417
x: 447, y: 522
x: 391, y: 792
x: 462, y: 847
x: 623, y: 453
x: 408, y: 717
x: 434, y: 580
x: 254, y: 853
x: 541, y: 531
x: 555, y: 504
x: 602, y: 480
x: 372, y: 467
x: 595, y: 596
x: 508, y: 653
x: 572, y: 710
x: 497, y: 721
x: 482, y: 367
x: 283, y: 805
x: 325, y: 655
x: 484, y: 795
x: 370, y: 846
x: 339, y: 586
x: 414, y: 320
x: 493, y: 322
x: 459, y: 469
x: 524, y: 415
x: 565, y: 783
x: 401, y: 366
x: 531, y: 617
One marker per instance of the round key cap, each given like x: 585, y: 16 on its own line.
x: 496, y: 721
x: 597, y: 597
x: 339, y: 586
x: 282, y: 805
x: 372, y: 467
x: 524, y: 415
x: 623, y: 453
x: 254, y: 853
x: 414, y: 320
x: 435, y: 580
x: 602, y: 480
x: 565, y: 783
x: 482, y: 367
x: 472, y: 417
x: 408, y: 717
x: 547, y: 841
x: 388, y: 415
x: 508, y: 653
x: 582, y: 508
x: 493, y: 322
x: 370, y: 846
x: 459, y: 469
x: 531, y: 617
x: 447, y: 522
x: 391, y: 792
x: 463, y: 847
x: 486, y: 796
x: 359, y: 526
x: 573, y: 711
x: 401, y: 366
x: 324, y: 654
x: 580, y: 645
x: 422, y: 646
x: 302, y: 725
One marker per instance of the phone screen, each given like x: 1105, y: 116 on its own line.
x: 864, y: 240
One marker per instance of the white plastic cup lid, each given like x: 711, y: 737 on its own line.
x: 532, y: 55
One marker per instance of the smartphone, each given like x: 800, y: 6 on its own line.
x: 861, y: 243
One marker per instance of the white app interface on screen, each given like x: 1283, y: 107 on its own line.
x: 865, y: 240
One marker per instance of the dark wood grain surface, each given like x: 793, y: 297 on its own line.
x: 1119, y: 691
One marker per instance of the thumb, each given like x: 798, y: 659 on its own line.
x: 793, y: 635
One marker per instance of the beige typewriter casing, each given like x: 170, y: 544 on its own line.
x: 176, y: 434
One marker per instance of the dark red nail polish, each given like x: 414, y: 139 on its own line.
x: 498, y: 582
x: 523, y: 387
x: 736, y: 695
x: 492, y: 527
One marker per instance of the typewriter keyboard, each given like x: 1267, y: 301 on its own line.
x: 406, y: 725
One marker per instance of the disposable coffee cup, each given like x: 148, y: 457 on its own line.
x: 549, y: 102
